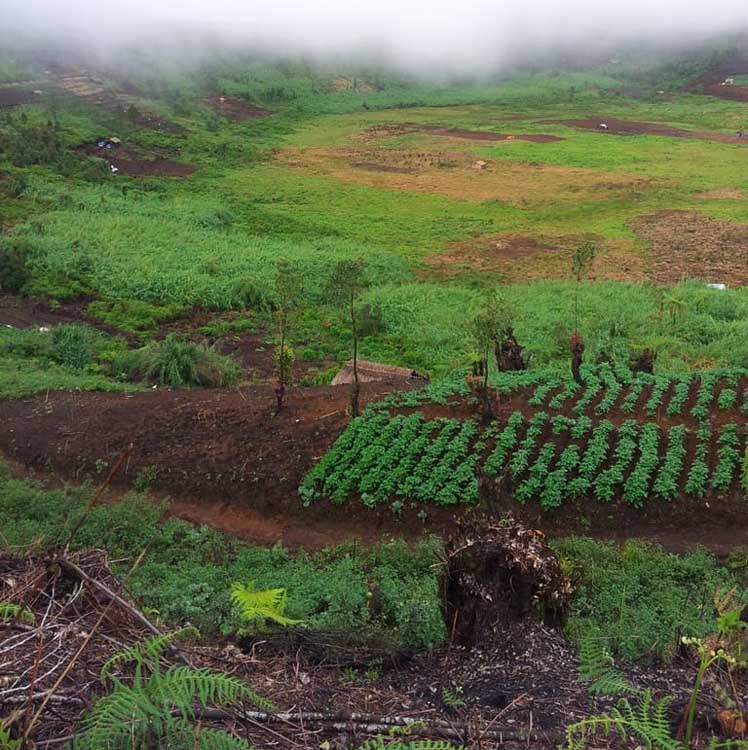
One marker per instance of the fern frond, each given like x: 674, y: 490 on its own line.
x: 145, y: 652
x: 269, y: 604
x: 715, y: 743
x: 188, y: 736
x: 10, y: 611
x: 597, y: 667
x: 380, y: 743
x: 647, y: 722
x: 184, y: 686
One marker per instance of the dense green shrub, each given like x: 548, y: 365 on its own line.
x: 14, y: 273
x: 174, y: 362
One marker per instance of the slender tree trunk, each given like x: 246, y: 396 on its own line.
x: 355, y: 388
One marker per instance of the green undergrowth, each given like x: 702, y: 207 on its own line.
x: 64, y: 357
x: 389, y: 591
x: 639, y: 600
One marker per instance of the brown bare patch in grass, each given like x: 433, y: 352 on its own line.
x: 518, y: 258
x: 459, y: 176
x: 379, y: 131
x: 235, y: 109
x: 684, y: 244
x: 632, y: 127
x: 724, y: 194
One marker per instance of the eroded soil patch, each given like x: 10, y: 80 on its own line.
x: 235, y: 109
x: 632, y: 127
x: 136, y: 162
x: 685, y: 245
x: 461, y: 133
x: 522, y: 258
x: 462, y: 176
x: 12, y: 96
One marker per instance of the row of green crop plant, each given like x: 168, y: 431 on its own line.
x: 407, y: 459
x: 607, y: 389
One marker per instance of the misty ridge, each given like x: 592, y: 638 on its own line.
x: 434, y: 39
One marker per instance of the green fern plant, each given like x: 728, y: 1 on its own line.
x: 10, y: 611
x: 646, y: 721
x: 597, y: 667
x: 258, y: 607
x: 157, y: 708
x: 380, y: 742
x: 145, y: 652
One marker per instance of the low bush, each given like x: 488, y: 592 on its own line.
x: 14, y: 275
x: 173, y: 362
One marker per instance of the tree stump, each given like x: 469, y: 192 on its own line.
x: 499, y: 573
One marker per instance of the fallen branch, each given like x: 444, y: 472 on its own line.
x: 371, y: 724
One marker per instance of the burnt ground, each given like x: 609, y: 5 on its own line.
x: 235, y: 109
x: 684, y: 244
x: 632, y: 127
x: 137, y: 162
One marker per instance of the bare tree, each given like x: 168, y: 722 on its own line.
x: 346, y: 283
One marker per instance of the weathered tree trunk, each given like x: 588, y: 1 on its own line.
x: 499, y: 573
x: 576, y: 345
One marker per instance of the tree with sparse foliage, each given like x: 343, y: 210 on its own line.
x: 346, y: 283
x: 288, y: 289
x: 490, y: 328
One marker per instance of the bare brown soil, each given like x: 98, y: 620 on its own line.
x: 235, y: 109
x: 484, y: 135
x: 137, y: 162
x: 12, y: 97
x: 632, y: 127
x: 218, y: 446
x: 33, y: 312
x: 711, y: 82
x: 523, y: 258
x: 684, y: 244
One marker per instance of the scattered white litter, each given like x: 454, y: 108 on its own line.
x: 721, y: 287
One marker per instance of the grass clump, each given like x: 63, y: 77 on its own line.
x: 639, y: 598
x: 173, y: 362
